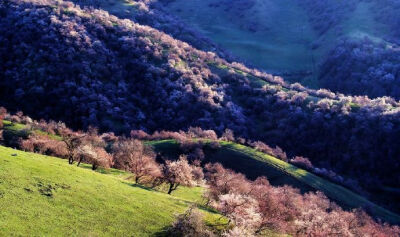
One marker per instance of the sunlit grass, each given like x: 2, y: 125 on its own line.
x: 44, y: 195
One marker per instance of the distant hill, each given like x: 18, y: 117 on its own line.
x: 294, y: 37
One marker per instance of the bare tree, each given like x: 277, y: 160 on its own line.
x: 134, y: 156
x: 72, y: 141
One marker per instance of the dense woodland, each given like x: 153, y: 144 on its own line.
x: 102, y: 71
x: 151, y: 13
x: 361, y: 67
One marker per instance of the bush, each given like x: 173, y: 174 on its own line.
x: 190, y: 224
x: 44, y: 145
x: 3, y: 113
x: 96, y: 156
x: 302, y: 162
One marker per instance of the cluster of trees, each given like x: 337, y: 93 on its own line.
x: 75, y: 146
x: 252, y: 207
x: 86, y: 67
x: 345, y: 134
x: 324, y: 15
x: 107, y: 150
x: 132, y: 155
x: 362, y: 67
x: 255, y: 207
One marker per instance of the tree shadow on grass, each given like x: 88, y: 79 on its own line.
x: 135, y: 185
x: 111, y: 171
x: 164, y: 232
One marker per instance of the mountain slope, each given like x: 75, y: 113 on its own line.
x: 110, y: 73
x: 286, y: 37
x: 273, y: 35
x: 40, y: 194
x: 86, y: 67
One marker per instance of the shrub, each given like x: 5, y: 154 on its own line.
x: 197, y: 132
x: 276, y: 152
x: 190, y: 224
x: 3, y: 113
x: 96, y: 156
x: 215, y: 145
x: 228, y: 135
x: 238, y: 231
x: 140, y: 135
x: 44, y: 145
x: 302, y: 162
x: 15, y: 119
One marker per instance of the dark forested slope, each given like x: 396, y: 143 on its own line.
x: 87, y: 67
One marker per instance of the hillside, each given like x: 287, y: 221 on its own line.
x: 228, y: 203
x: 200, y: 118
x: 86, y: 67
x: 279, y: 36
x: 254, y: 164
x: 294, y: 38
x: 40, y: 194
x: 259, y: 32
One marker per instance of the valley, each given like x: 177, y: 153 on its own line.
x: 273, y: 35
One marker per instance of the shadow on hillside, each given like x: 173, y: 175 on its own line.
x: 239, y: 162
x: 164, y: 232
x: 252, y: 168
x: 114, y: 172
x: 135, y: 185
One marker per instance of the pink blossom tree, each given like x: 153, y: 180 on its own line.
x: 180, y: 172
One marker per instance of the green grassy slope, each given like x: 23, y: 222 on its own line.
x: 281, y: 39
x: 46, y: 196
x: 283, y: 36
x: 21, y: 130
x: 253, y: 163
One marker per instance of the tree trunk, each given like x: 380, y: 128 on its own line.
x: 94, y: 167
x: 79, y: 162
x: 137, y: 179
x: 70, y: 160
x: 171, y: 188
